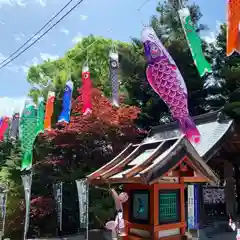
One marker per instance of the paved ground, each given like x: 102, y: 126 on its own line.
x: 217, y: 231
x: 213, y: 231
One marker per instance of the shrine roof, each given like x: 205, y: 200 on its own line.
x: 213, y: 127
x: 149, y: 161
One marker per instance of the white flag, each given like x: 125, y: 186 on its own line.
x: 27, y: 183
x: 82, y: 188
x: 57, y: 188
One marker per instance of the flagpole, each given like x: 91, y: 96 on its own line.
x: 27, y: 184
x: 87, y: 209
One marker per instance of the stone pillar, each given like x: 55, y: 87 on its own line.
x: 229, y: 190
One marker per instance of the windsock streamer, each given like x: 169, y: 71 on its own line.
x: 28, y: 123
x: 86, y: 90
x: 167, y: 81
x: 49, y: 111
x: 114, y: 67
x: 233, y: 30
x: 66, y: 103
x: 194, y: 42
x: 14, y: 129
x: 40, y: 116
x: 3, y: 128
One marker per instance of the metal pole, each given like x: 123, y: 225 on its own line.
x: 87, y: 208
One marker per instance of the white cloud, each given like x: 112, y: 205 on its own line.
x: 19, y: 37
x: 43, y: 3
x: 210, y: 37
x: 77, y: 38
x: 2, y: 22
x: 83, y: 17
x: 64, y: 31
x: 10, y: 66
x: 22, y: 3
x: 35, y: 61
x: 10, y: 105
x: 47, y: 56
x: 18, y: 68
x: 5, y: 2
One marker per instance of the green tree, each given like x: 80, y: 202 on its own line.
x: 224, y: 86
x: 10, y: 176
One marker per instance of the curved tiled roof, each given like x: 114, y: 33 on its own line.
x: 163, y: 149
x: 211, y: 127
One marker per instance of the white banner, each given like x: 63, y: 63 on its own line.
x: 57, y: 189
x: 193, y: 206
x: 3, y: 205
x: 27, y: 184
x: 82, y: 188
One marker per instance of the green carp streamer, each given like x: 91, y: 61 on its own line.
x: 28, y: 125
x: 194, y: 42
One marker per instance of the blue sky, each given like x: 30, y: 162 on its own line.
x: 19, y: 19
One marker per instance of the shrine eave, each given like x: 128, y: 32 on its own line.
x: 214, y: 128
x: 150, y: 162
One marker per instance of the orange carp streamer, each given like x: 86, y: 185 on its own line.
x: 49, y: 111
x: 233, y: 33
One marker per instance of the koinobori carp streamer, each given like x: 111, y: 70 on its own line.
x: 13, y: 132
x: 166, y: 80
x: 3, y: 128
x: 66, y: 103
x: 28, y: 123
x: 194, y: 42
x: 40, y: 116
x: 233, y: 22
x: 113, y: 67
x: 49, y: 110
x: 86, y: 90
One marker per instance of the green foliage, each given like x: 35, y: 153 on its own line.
x: 10, y: 176
x: 224, y: 87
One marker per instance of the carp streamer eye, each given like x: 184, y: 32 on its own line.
x: 65, y: 89
x: 113, y: 64
x: 155, y: 51
x: 85, y: 75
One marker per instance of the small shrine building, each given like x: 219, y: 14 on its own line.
x: 155, y: 174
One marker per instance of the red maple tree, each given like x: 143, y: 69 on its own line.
x: 97, y: 135
x: 105, y: 121
x: 71, y: 151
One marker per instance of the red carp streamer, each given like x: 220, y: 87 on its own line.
x: 3, y: 128
x: 86, y: 91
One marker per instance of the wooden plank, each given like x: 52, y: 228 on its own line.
x: 112, y: 163
x: 120, y: 166
x: 194, y: 179
x: 138, y: 168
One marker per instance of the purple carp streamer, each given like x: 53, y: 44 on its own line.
x: 14, y: 129
x: 114, y: 67
x: 167, y: 81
